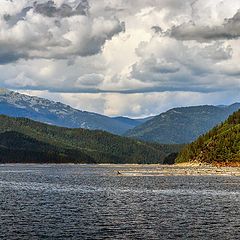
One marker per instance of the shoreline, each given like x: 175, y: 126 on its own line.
x: 180, y: 169
x: 214, y: 164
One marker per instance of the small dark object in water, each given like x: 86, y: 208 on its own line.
x: 118, y: 173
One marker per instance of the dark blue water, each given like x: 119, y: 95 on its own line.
x: 93, y: 202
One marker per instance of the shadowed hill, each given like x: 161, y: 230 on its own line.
x: 80, y: 145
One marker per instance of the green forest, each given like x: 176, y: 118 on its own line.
x: 220, y: 145
x: 23, y: 140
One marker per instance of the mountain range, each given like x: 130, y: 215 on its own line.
x: 55, y: 113
x: 175, y: 126
x: 182, y: 125
x: 26, y: 141
x: 132, y: 122
x: 221, y: 145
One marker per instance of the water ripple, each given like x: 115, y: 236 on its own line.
x: 90, y: 202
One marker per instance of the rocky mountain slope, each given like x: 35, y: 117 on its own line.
x: 19, y: 105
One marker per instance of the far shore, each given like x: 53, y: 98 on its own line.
x: 180, y: 169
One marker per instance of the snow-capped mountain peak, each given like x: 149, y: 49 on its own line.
x: 20, y: 105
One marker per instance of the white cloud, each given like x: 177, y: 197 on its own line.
x: 138, y: 104
x: 89, y: 52
x: 45, y: 31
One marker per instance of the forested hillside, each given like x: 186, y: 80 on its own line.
x: 26, y: 140
x: 220, y: 145
x: 182, y: 125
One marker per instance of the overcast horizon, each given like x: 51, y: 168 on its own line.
x: 122, y: 57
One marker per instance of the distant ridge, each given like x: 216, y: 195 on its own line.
x: 132, y: 122
x: 23, y: 140
x: 55, y: 113
x: 182, y: 125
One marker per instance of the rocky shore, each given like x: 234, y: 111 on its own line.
x: 190, y: 169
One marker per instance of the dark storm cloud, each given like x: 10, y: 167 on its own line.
x: 230, y: 29
x: 10, y: 57
x: 49, y: 9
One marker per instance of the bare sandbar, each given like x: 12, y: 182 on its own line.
x: 191, y: 169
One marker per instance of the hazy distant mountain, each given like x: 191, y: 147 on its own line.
x: 182, y: 125
x: 132, y: 122
x: 19, y: 105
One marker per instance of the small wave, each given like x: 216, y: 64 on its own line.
x: 33, y: 186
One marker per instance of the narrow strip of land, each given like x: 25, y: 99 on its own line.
x: 179, y: 170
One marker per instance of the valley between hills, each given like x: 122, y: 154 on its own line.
x: 36, y: 130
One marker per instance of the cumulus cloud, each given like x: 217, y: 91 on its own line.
x: 49, y: 9
x: 44, y: 30
x: 101, y: 52
x: 81, y: 75
x: 182, y: 67
x: 91, y: 79
x: 155, y: 66
x: 138, y: 104
x: 230, y: 29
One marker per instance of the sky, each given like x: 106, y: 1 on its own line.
x: 122, y: 57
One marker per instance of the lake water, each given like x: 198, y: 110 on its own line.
x: 94, y: 202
